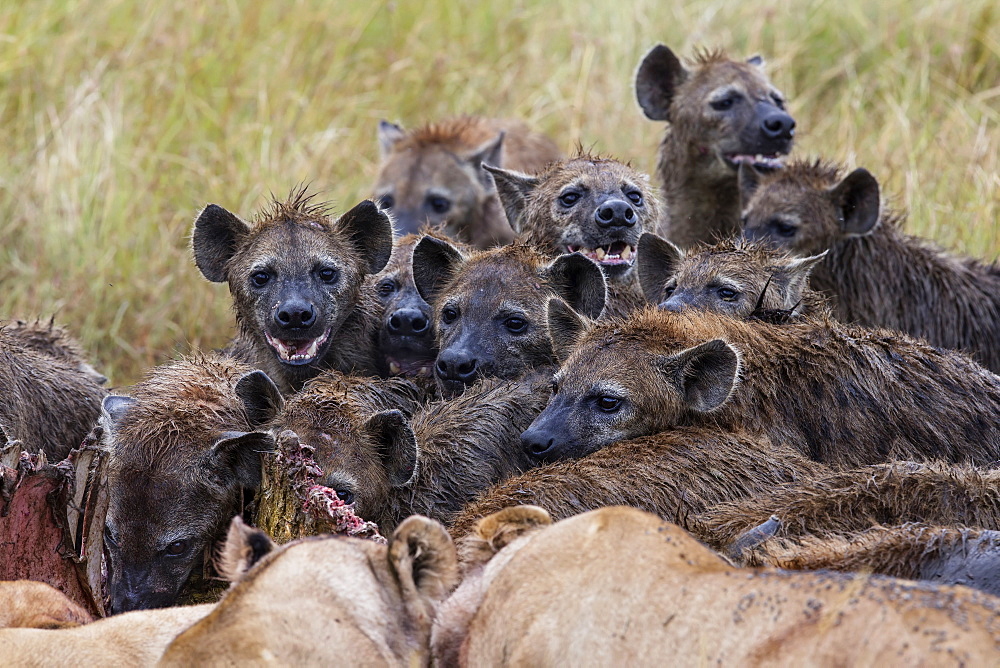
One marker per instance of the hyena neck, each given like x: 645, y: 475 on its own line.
x: 625, y: 296
x: 703, y: 202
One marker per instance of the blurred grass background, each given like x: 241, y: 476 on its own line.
x: 120, y: 120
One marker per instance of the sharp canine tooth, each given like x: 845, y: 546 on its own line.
x: 627, y: 253
x: 599, y: 252
x: 394, y: 367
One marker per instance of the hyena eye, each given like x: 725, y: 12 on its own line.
x: 327, y: 274
x: 449, y: 315
x: 177, y: 548
x: 782, y: 229
x: 569, y: 198
x: 515, y: 324
x: 260, y: 278
x: 728, y: 294
x: 387, y: 201
x: 635, y: 197
x: 346, y: 496
x: 439, y: 204
x: 386, y: 287
x: 724, y: 104
x: 778, y: 102
x: 669, y: 290
x: 608, y: 404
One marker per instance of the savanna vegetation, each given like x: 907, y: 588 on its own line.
x: 119, y: 120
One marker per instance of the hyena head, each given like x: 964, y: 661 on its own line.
x: 434, y: 176
x: 182, y: 449
x: 719, y: 107
x: 595, y: 206
x: 489, y: 306
x: 624, y: 379
x: 734, y: 277
x: 809, y: 206
x: 295, y: 274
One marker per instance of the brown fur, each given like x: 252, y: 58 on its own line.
x: 284, y: 246
x: 696, y: 168
x: 621, y: 587
x: 735, y: 277
x: 36, y: 605
x: 131, y: 639
x: 433, y: 463
x: 183, y: 448
x: 444, y: 160
x: 671, y: 474
x: 842, y: 395
x: 51, y: 397
x: 327, y: 600
x: 876, y: 274
x: 478, y: 296
x: 538, y: 211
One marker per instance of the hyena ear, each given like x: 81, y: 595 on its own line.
x: 490, y: 153
x: 513, y: 189
x: 705, y: 375
x: 857, y: 201
x: 423, y: 558
x: 113, y: 409
x: 217, y: 234
x: 659, y: 75
x: 566, y: 328
x: 244, y: 547
x: 434, y: 262
x: 658, y: 261
x: 794, y: 276
x: 235, y: 457
x: 497, y: 531
x: 579, y: 282
x: 370, y: 231
x: 397, y: 444
x: 748, y: 179
x: 388, y: 135
x: 260, y: 397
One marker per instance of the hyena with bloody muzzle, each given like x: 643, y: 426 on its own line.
x: 297, y: 278
x: 490, y: 306
x: 433, y: 175
x: 595, y: 206
x: 722, y: 113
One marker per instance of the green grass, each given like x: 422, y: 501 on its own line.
x: 120, y: 120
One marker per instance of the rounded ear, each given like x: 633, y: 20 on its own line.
x: 397, y: 445
x: 656, y: 81
x: 579, y: 282
x: 434, y: 262
x: 857, y: 199
x: 114, y: 407
x: 370, y: 231
x: 235, y: 457
x: 658, y: 260
x: 513, y: 189
x: 495, y: 532
x: 260, y: 397
x: 795, y: 276
x: 748, y: 180
x: 217, y: 235
x: 244, y: 547
x: 566, y: 327
x: 490, y: 152
x: 388, y: 135
x: 423, y: 558
x: 705, y: 375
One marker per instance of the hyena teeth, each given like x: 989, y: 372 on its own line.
x: 394, y: 368
x: 600, y: 253
x: 627, y: 253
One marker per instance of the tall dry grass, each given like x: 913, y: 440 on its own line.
x: 120, y: 120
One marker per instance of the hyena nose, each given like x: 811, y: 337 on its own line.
x: 454, y: 365
x: 778, y: 125
x: 536, y: 444
x: 408, y: 322
x: 615, y: 213
x: 295, y: 314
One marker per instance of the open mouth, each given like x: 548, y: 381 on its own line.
x: 764, y: 162
x: 413, y: 368
x: 617, y: 253
x: 297, y: 352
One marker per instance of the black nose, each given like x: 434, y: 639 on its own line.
x: 672, y: 305
x: 617, y: 213
x: 456, y: 365
x: 295, y: 314
x: 778, y: 125
x: 407, y: 321
x: 538, y: 442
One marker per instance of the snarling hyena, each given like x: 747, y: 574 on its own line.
x: 876, y: 274
x: 734, y: 277
x: 296, y: 277
x: 722, y: 113
x: 184, y: 446
x: 433, y: 174
x: 588, y: 204
x: 489, y: 306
